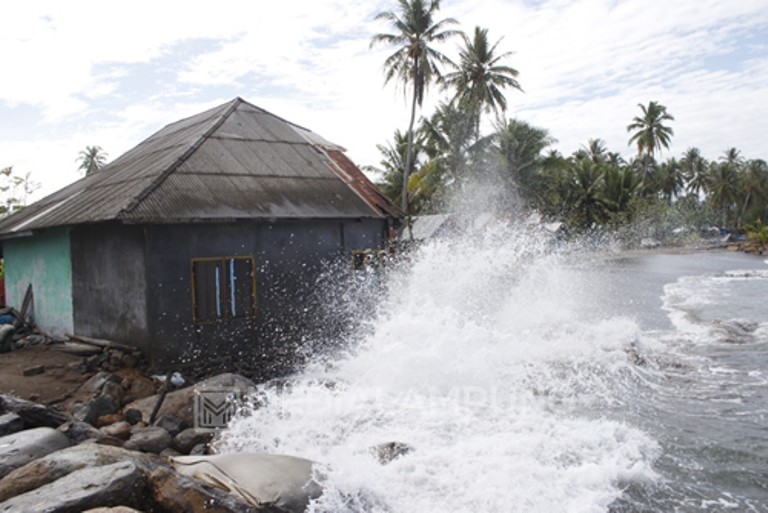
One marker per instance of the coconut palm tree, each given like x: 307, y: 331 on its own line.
x: 586, y: 201
x: 415, y: 63
x: 594, y: 150
x: 520, y: 146
x: 723, y: 189
x: 650, y: 133
x: 754, y: 186
x: 671, y: 180
x: 91, y: 159
x: 620, y: 187
x: 393, y: 163
x: 694, y: 169
x: 481, y: 78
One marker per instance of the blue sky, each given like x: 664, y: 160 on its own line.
x: 78, y: 73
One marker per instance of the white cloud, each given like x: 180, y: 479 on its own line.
x: 79, y: 74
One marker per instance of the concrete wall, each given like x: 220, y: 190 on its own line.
x: 44, y: 261
x: 109, y: 283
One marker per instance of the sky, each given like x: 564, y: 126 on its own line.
x: 83, y: 73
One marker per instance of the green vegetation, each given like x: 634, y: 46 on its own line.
x: 446, y: 156
x: 759, y: 232
x: 416, y: 62
x: 92, y: 159
x: 14, y: 191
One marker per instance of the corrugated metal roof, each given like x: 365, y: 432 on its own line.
x: 233, y: 161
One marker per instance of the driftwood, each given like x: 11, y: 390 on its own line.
x: 100, y: 342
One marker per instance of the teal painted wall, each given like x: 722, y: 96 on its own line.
x: 43, y: 260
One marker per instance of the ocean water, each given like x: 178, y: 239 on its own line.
x: 534, y: 377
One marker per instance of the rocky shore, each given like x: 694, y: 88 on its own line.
x: 125, y: 441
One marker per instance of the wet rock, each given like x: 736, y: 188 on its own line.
x: 178, y: 493
x: 167, y: 453
x: 150, y: 439
x: 120, y: 430
x: 61, y: 463
x: 170, y: 424
x: 116, y: 484
x: 389, y: 451
x: 79, y: 432
x: 139, y: 387
x: 18, y: 449
x: 106, y: 420
x: 199, y: 450
x: 94, y: 385
x: 10, y: 423
x: 132, y: 416
x: 33, y: 414
x: 180, y: 403
x: 90, y: 412
x: 186, y: 440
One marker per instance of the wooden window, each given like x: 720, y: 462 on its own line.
x: 223, y: 289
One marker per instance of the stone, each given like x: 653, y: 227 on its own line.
x: 132, y: 416
x: 129, y: 360
x: 167, y: 453
x: 285, y: 483
x: 180, y: 403
x: 389, y: 451
x: 10, y: 423
x: 18, y: 449
x: 90, y: 412
x: 199, y: 450
x: 115, y: 392
x: 58, y: 464
x: 139, y: 387
x: 117, y: 484
x: 150, y: 439
x: 33, y: 371
x: 189, y: 438
x: 79, y: 432
x: 169, y: 423
x: 120, y: 430
x: 178, y: 493
x: 106, y: 420
x: 33, y: 414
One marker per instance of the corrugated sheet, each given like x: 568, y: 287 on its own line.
x: 233, y: 161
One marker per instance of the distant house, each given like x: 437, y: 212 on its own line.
x: 203, y: 241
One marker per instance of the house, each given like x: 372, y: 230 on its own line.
x: 202, y: 242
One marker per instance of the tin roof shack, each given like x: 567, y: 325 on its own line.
x: 202, y: 241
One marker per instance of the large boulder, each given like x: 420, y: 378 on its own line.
x: 33, y: 414
x: 180, y: 403
x: 176, y: 493
x: 116, y: 484
x: 285, y: 483
x: 61, y: 463
x: 18, y: 449
x: 10, y: 423
x: 150, y: 439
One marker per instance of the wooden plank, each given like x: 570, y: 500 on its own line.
x: 100, y: 342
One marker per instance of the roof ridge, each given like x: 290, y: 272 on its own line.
x: 181, y: 158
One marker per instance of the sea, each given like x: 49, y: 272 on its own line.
x: 526, y: 374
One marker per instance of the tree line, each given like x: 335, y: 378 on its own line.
x: 445, y: 155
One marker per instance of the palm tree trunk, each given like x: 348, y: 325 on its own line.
x: 408, y: 159
x: 743, y: 209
